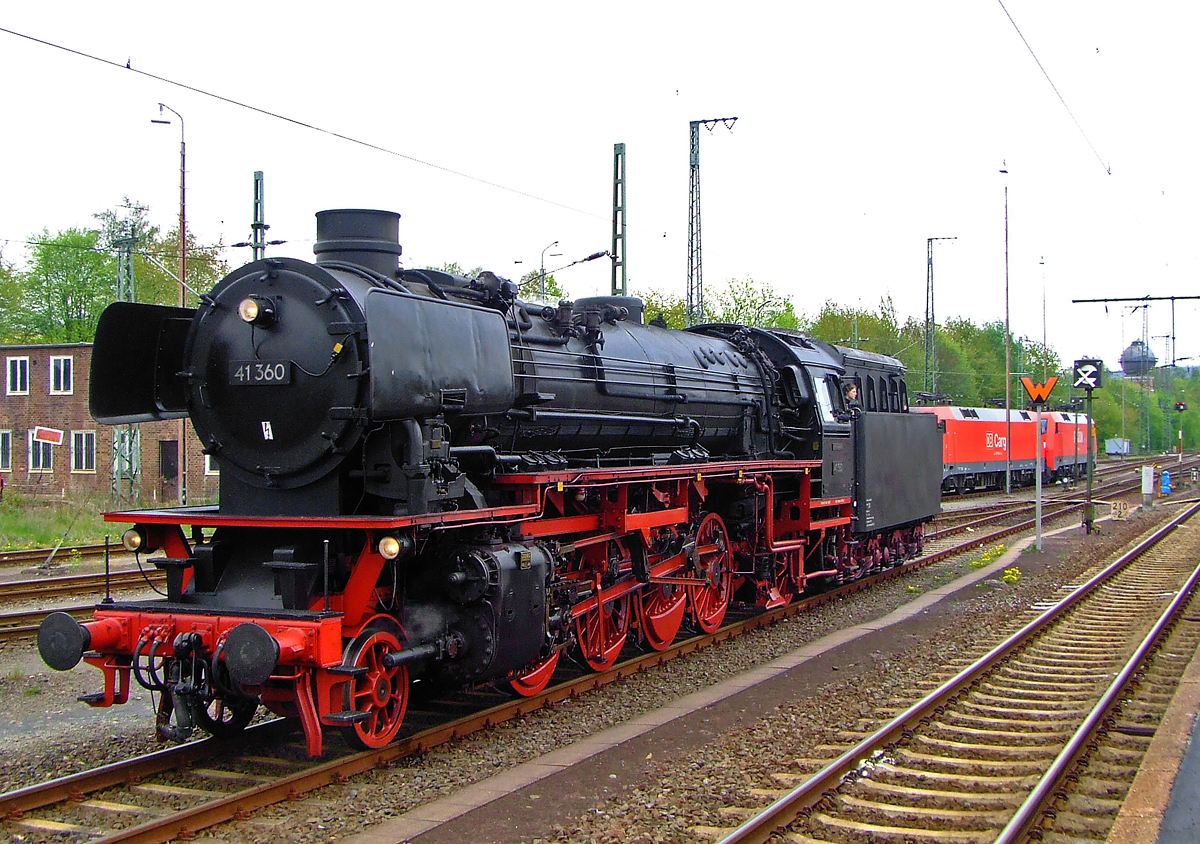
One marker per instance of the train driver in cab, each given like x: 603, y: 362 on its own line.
x: 850, y: 395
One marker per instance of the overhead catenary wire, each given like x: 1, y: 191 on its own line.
x: 1107, y: 168
x: 302, y: 124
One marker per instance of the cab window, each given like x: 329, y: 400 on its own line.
x: 829, y: 398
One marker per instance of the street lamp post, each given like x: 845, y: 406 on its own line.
x: 1007, y: 354
x: 542, y: 274
x: 182, y: 276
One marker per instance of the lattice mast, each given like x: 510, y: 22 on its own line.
x: 695, y: 287
x: 620, y: 284
x: 126, y: 466
x: 930, y: 321
x: 259, y: 226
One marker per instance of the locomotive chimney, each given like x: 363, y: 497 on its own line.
x: 368, y: 238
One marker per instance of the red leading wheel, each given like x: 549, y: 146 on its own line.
x: 381, y: 692
x: 662, y: 608
x: 714, y: 570
x: 600, y: 633
x: 531, y: 680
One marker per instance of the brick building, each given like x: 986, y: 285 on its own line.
x: 46, y: 386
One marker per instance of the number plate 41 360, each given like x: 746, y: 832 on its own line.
x: 257, y: 372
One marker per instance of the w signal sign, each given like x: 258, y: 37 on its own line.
x: 1038, y: 393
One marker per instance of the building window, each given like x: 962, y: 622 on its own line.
x: 83, y: 451
x: 62, y: 382
x: 18, y: 376
x: 210, y: 465
x: 41, y: 456
x: 5, y: 451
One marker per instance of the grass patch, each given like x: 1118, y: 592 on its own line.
x: 31, y: 523
x: 987, y: 557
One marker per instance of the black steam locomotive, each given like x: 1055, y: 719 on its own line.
x: 425, y: 479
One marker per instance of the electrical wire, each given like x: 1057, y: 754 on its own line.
x: 1107, y: 168
x: 302, y: 124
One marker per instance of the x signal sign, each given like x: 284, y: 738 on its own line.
x: 1087, y: 374
x: 1038, y: 393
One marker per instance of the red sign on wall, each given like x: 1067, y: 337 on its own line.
x: 47, y: 435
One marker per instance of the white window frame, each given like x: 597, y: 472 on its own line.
x: 88, y: 452
x: 42, y: 450
x: 66, y: 385
x: 5, y: 451
x: 210, y: 465
x: 15, y: 368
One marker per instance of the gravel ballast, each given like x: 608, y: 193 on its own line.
x: 47, y: 733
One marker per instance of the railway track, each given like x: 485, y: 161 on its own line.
x: 41, y: 556
x: 1040, y: 736
x: 23, y: 623
x: 210, y: 781
x: 81, y: 584
x: 177, y: 792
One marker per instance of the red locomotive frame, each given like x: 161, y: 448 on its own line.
x: 639, y: 571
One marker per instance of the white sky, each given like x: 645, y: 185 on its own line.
x: 864, y: 128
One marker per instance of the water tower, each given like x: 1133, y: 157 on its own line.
x: 1138, y: 361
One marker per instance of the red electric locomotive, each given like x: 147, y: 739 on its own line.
x: 975, y: 446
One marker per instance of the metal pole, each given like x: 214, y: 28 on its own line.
x: 930, y: 318
x: 542, y: 274
x: 182, y: 279
x: 1038, y: 483
x: 1088, y: 515
x: 619, y: 245
x: 1007, y: 362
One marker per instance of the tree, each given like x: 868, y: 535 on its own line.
x: 531, y: 288
x: 59, y: 297
x: 746, y: 302
x: 455, y: 268
x: 875, y: 332
x: 153, y: 283
x: 10, y: 297
x: 156, y: 256
x: 670, y: 307
x: 72, y: 276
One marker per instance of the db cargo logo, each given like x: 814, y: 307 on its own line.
x: 995, y: 441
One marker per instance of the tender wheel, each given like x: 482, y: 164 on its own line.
x: 529, y: 681
x: 714, y: 563
x: 600, y: 633
x: 381, y: 692
x: 662, y: 608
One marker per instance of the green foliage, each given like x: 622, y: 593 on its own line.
x: 59, y: 298
x: 746, y: 302
x: 455, y: 268
x: 846, y: 326
x: 10, y: 297
x: 531, y: 288
x: 72, y: 276
x: 741, y: 302
x: 670, y: 307
x: 1011, y: 576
